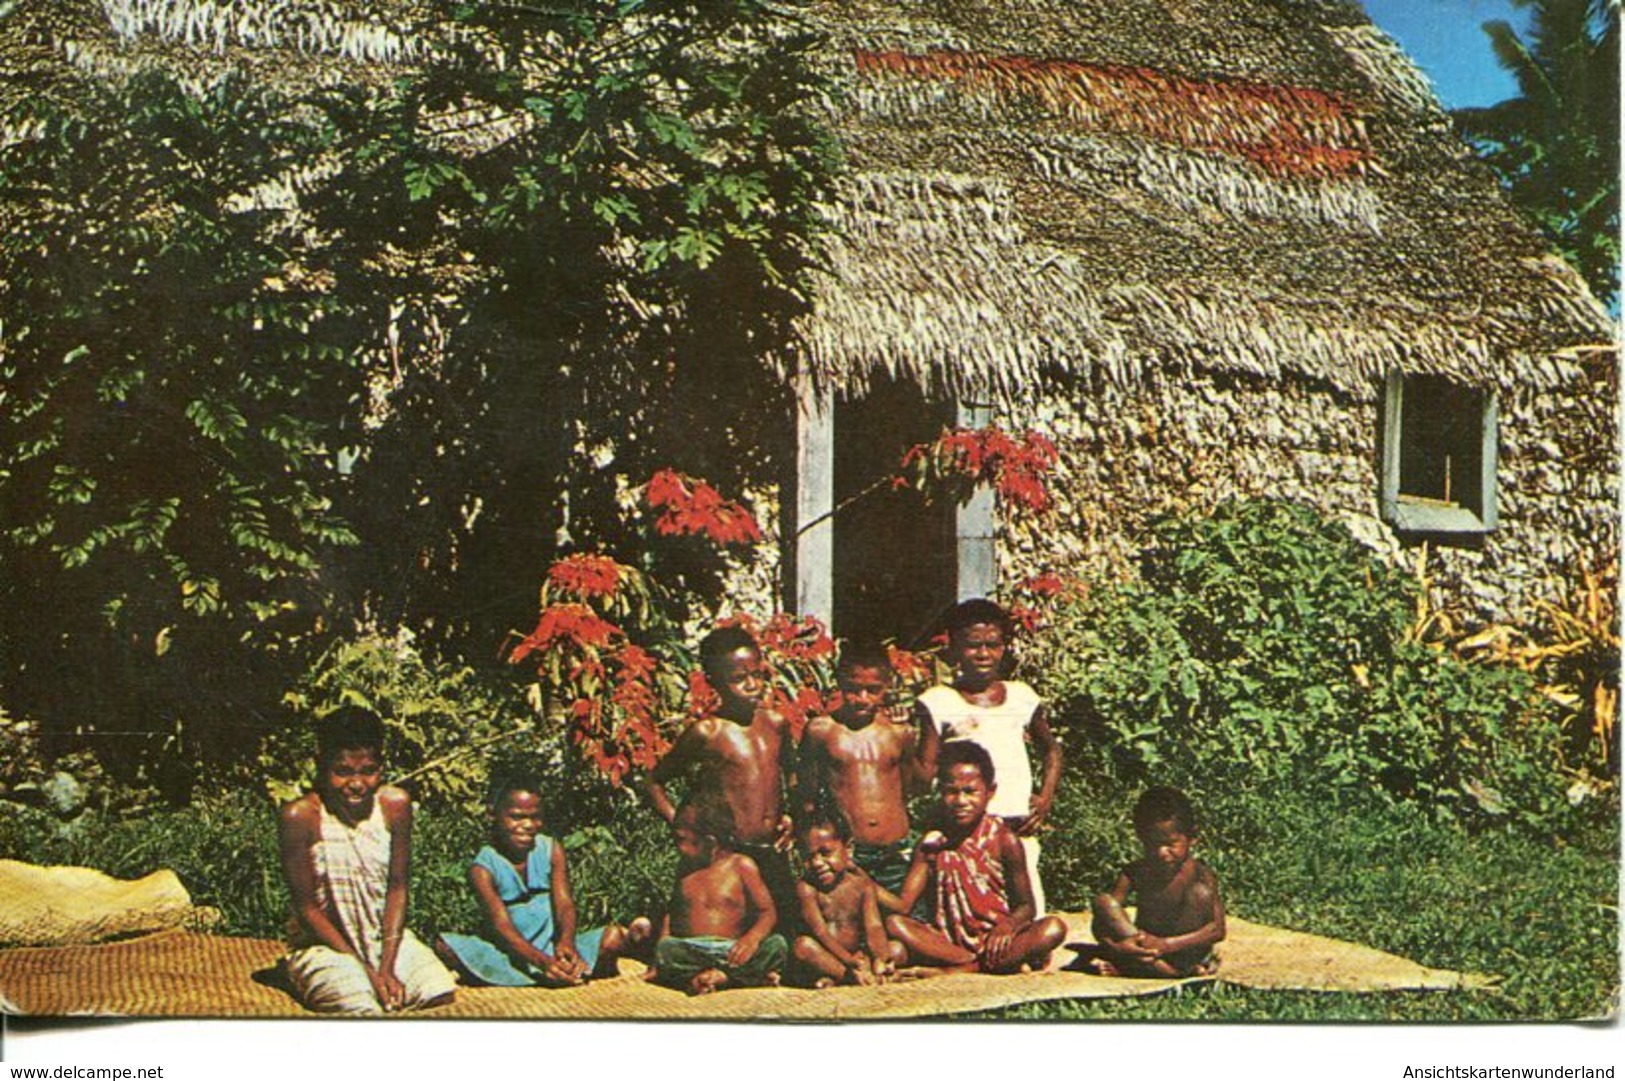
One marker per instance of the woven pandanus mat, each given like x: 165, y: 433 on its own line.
x: 180, y: 974
x: 63, y: 906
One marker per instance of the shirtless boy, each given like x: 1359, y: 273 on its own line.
x: 868, y: 758
x: 847, y: 943
x: 737, y: 760
x: 1180, y: 916
x: 982, y: 913
x: 718, y: 930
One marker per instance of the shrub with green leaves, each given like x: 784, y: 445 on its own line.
x: 445, y: 720
x: 1265, y: 646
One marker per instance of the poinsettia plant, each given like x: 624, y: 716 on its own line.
x: 612, y: 668
x: 961, y: 459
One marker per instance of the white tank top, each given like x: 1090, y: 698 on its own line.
x: 1001, y: 731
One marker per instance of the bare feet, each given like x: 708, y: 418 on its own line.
x: 823, y: 982
x: 1099, y: 966
x: 707, y: 981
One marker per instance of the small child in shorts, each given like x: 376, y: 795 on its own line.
x: 718, y: 930
x: 1180, y: 917
x: 982, y: 914
x: 847, y: 942
x: 523, y: 884
x: 346, y: 849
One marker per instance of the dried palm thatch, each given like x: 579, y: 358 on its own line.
x: 1045, y: 192
x: 1264, y: 187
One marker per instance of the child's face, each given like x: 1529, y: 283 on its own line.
x: 741, y: 679
x: 349, y: 779
x: 828, y: 857
x: 864, y: 689
x: 964, y: 793
x: 517, y: 822
x: 1166, y: 845
x: 692, y: 846
x: 978, y: 651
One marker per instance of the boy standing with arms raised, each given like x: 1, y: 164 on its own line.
x: 868, y: 761
x: 737, y: 761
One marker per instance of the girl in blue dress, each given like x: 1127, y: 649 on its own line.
x: 524, y: 887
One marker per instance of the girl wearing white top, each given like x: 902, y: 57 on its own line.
x: 998, y: 714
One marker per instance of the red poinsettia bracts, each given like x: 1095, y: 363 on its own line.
x: 691, y: 506
x: 583, y: 658
x: 965, y: 457
x: 585, y: 576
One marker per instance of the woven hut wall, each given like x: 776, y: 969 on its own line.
x: 1181, y: 443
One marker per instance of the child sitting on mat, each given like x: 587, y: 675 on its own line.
x: 848, y: 942
x: 1180, y: 916
x: 523, y: 884
x: 718, y: 928
x: 981, y: 899
x: 345, y: 852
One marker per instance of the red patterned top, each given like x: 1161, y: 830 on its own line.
x: 970, y: 892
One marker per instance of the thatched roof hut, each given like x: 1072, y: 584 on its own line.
x: 1209, y: 245
x: 1259, y: 186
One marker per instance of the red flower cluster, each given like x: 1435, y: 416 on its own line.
x: 565, y: 625
x: 688, y: 506
x: 585, y: 576
x: 588, y: 661
x: 1015, y: 468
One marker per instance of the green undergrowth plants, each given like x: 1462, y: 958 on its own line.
x: 1539, y: 914
x: 445, y: 719
x: 1264, y: 645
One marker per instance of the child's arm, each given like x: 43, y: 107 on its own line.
x: 397, y: 808
x: 1050, y: 748
x: 915, y: 777
x: 874, y: 932
x: 1203, y: 893
x: 813, y: 917
x: 919, y: 876
x: 785, y: 837
x: 995, y: 945
x: 564, y: 912
x: 1113, y: 930
x: 810, y: 770
x: 745, y: 947
x: 925, y: 752
x: 678, y: 761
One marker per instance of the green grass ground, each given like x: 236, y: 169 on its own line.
x: 1540, y: 913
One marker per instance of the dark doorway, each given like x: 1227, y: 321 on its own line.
x: 894, y: 552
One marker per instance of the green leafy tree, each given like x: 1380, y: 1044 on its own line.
x: 280, y: 357
x: 174, y: 366
x: 1556, y: 145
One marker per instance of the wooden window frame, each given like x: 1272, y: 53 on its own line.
x: 1408, y: 516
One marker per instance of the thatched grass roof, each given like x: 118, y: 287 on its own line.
x: 1044, y: 192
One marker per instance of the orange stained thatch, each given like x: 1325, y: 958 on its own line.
x: 1288, y: 130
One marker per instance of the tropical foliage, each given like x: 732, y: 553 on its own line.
x: 1556, y: 145
x: 1266, y: 648
x: 279, y: 359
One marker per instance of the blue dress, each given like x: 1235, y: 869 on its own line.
x: 530, y: 906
